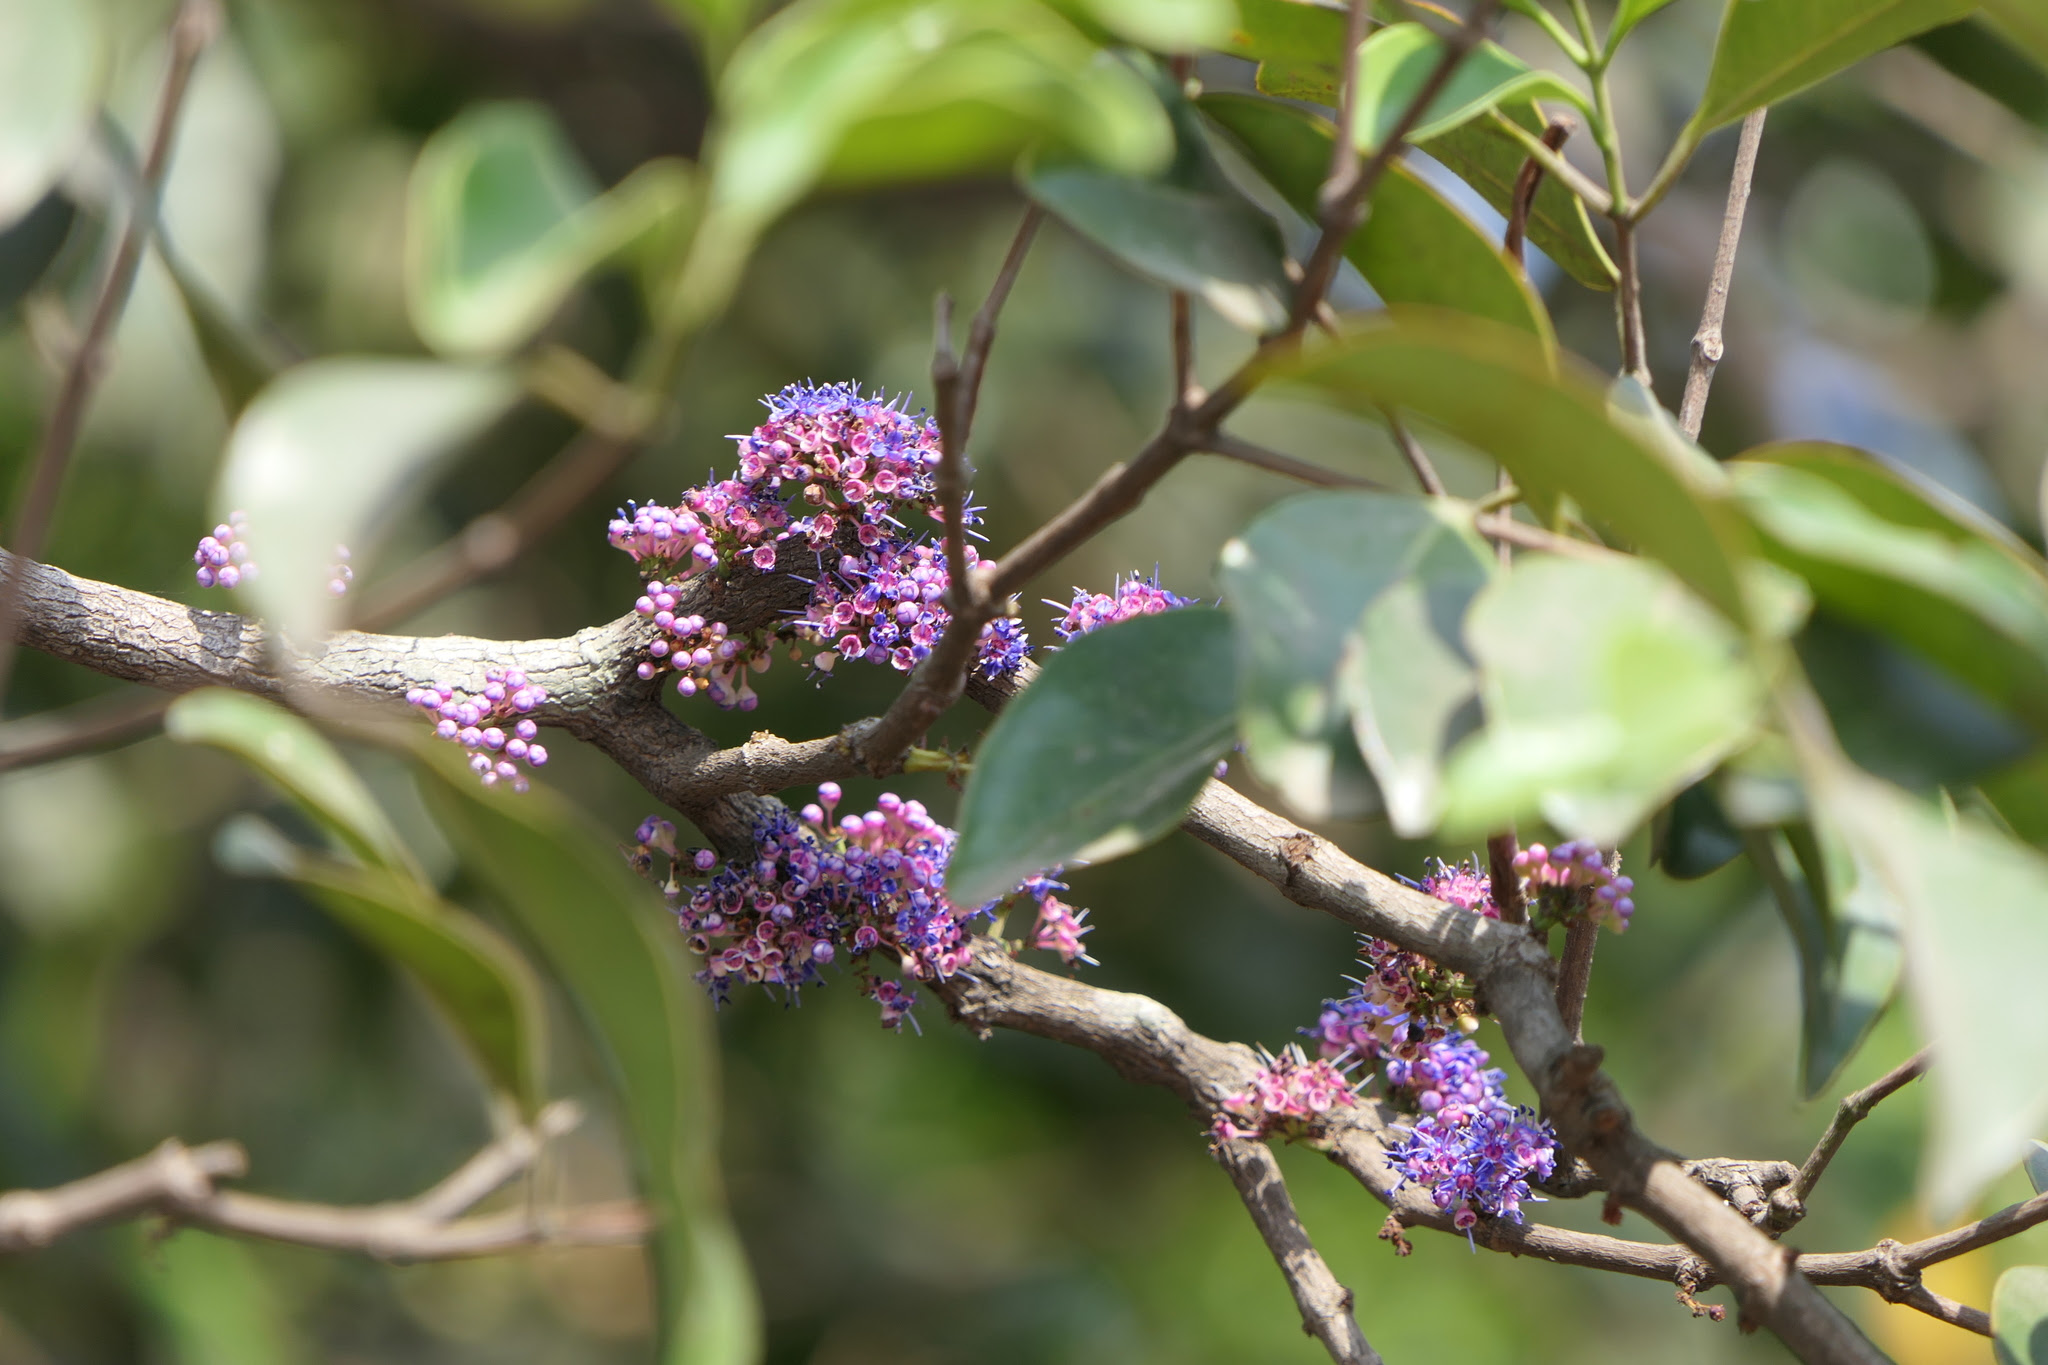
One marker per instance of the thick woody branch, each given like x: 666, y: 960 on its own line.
x: 1707, y: 342
x: 178, y: 1183
x: 1325, y: 1304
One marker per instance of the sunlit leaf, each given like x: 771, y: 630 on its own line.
x: 1974, y: 906
x: 1608, y: 688
x: 1628, y: 14
x: 1845, y: 929
x: 1771, y: 49
x: 502, y: 221
x: 1347, y: 610
x: 1397, y: 61
x: 1299, y: 46
x: 1488, y: 159
x: 718, y: 24
x: 51, y: 60
x: 209, y: 1299
x: 1496, y: 390
x: 1101, y: 754
x: 605, y: 937
x: 2019, y: 1316
x: 2025, y: 22
x: 1876, y: 553
x: 1188, y: 228
x: 1414, y: 247
x: 1162, y: 25
x: 323, y: 458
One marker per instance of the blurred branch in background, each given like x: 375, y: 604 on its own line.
x: 177, y: 1183
x: 197, y: 23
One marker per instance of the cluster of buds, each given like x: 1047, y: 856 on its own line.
x: 1471, y: 1149
x: 494, y: 723
x: 831, y: 472
x: 223, y: 558
x: 820, y: 886
x: 1573, y: 881
x: 1288, y: 1093
x: 1132, y: 596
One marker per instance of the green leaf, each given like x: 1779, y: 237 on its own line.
x: 210, y: 1300
x: 1496, y: 390
x: 324, y: 456
x: 1347, y: 611
x: 502, y: 221
x: 1609, y: 688
x: 605, y: 937
x: 718, y: 24
x: 298, y: 758
x: 2019, y: 1316
x: 29, y: 246
x: 52, y: 59
x: 238, y: 361
x: 1298, y: 45
x: 1693, y: 835
x: 1488, y: 159
x: 1974, y: 906
x: 1771, y: 49
x: 1102, y: 754
x: 1876, y: 551
x: 1188, y: 228
x: 2025, y: 22
x: 1396, y: 63
x: 1162, y: 25
x: 2036, y: 1165
x: 1845, y: 929
x: 1414, y: 247
x: 1627, y: 15
x: 2020, y: 796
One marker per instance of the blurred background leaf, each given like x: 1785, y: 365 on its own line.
x: 52, y: 62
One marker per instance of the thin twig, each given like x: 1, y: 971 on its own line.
x: 1851, y: 1111
x: 1575, y: 974
x: 1628, y: 305
x: 178, y: 1183
x: 1554, y: 165
x: 1259, y: 457
x: 1325, y: 1305
x: 1498, y: 526
x: 1417, y: 458
x: 87, y: 725
x: 950, y: 483
x: 1504, y: 881
x: 1185, y: 392
x: 196, y: 24
x: 981, y: 333
x: 1527, y: 181
x: 1707, y: 343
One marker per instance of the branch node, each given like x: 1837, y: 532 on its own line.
x: 1394, y: 1233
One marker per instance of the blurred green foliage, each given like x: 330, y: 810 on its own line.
x: 918, y: 1198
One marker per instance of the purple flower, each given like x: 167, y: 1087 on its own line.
x: 1473, y: 1150
x: 1575, y: 880
x: 494, y: 724
x: 1133, y: 596
x: 1059, y: 929
x: 1288, y: 1093
x: 223, y: 559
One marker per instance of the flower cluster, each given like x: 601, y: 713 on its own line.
x: 870, y: 887
x: 1060, y: 930
x: 1288, y: 1092
x: 1473, y: 1150
x: 831, y: 473
x: 1573, y: 881
x: 223, y: 558
x: 1133, y: 596
x: 480, y: 722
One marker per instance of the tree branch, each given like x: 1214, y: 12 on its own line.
x: 178, y: 1183
x: 1789, y: 1204
x: 195, y: 26
x: 1258, y: 457
x: 1325, y: 1304
x: 1706, y: 343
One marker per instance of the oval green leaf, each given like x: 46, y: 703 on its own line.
x: 1876, y: 551
x: 1397, y: 62
x: 604, y: 936
x: 482, y: 985
x: 1413, y: 247
x: 1489, y: 159
x: 1608, y: 687
x: 502, y: 220
x: 323, y: 458
x: 1347, y: 609
x: 1102, y: 754
x: 1298, y: 45
x: 1770, y: 49
x: 2019, y: 1316
x: 1497, y: 390
x: 51, y: 61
